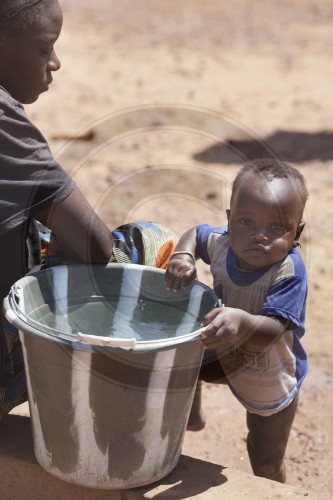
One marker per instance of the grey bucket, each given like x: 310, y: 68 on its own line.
x: 108, y: 411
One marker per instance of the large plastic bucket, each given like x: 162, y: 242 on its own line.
x: 112, y: 366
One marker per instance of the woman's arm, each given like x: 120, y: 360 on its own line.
x: 80, y: 233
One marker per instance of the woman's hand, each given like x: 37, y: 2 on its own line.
x: 180, y: 272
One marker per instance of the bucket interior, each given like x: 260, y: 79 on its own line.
x: 121, y: 301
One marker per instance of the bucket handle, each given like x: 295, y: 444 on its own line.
x: 106, y: 341
x: 132, y: 343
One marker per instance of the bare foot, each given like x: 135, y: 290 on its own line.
x: 196, y: 422
x: 198, y: 426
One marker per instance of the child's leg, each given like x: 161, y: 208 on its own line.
x: 267, y: 442
x: 196, y: 420
x: 210, y: 371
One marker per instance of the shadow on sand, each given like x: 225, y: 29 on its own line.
x: 17, y: 448
x: 295, y: 147
x: 181, y: 483
x: 16, y: 438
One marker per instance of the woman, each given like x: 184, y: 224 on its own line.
x: 32, y: 184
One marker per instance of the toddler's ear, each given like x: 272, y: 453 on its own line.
x: 299, y: 231
x: 228, y: 218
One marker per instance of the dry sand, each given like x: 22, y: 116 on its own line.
x: 155, y: 89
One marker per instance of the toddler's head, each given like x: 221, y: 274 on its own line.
x: 266, y: 208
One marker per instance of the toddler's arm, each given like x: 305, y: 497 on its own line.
x: 181, y: 268
x: 228, y: 322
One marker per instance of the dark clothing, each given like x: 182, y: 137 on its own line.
x: 30, y: 180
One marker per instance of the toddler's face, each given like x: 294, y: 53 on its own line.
x: 264, y: 219
x: 27, y: 59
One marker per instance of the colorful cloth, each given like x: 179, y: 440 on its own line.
x: 12, y: 376
x: 145, y: 243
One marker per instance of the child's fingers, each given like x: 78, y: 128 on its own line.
x: 172, y: 282
x: 213, y: 332
x: 211, y: 316
x: 179, y: 275
x: 211, y: 338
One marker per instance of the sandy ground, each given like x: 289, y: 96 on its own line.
x: 165, y: 100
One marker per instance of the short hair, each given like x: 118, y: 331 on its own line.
x: 271, y: 168
x: 18, y: 15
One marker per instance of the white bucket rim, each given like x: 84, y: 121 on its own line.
x: 83, y: 341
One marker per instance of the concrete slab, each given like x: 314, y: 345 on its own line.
x: 22, y: 478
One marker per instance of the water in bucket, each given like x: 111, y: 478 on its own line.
x: 127, y: 317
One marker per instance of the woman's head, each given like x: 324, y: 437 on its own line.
x: 28, y: 32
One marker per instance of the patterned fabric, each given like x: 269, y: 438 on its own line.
x: 12, y: 376
x: 144, y: 243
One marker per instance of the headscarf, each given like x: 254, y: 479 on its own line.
x: 9, y: 8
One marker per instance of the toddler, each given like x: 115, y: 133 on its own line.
x: 253, y: 343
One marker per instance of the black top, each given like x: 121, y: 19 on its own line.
x: 30, y: 180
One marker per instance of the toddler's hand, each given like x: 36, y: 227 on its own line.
x: 222, y: 322
x: 180, y: 271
